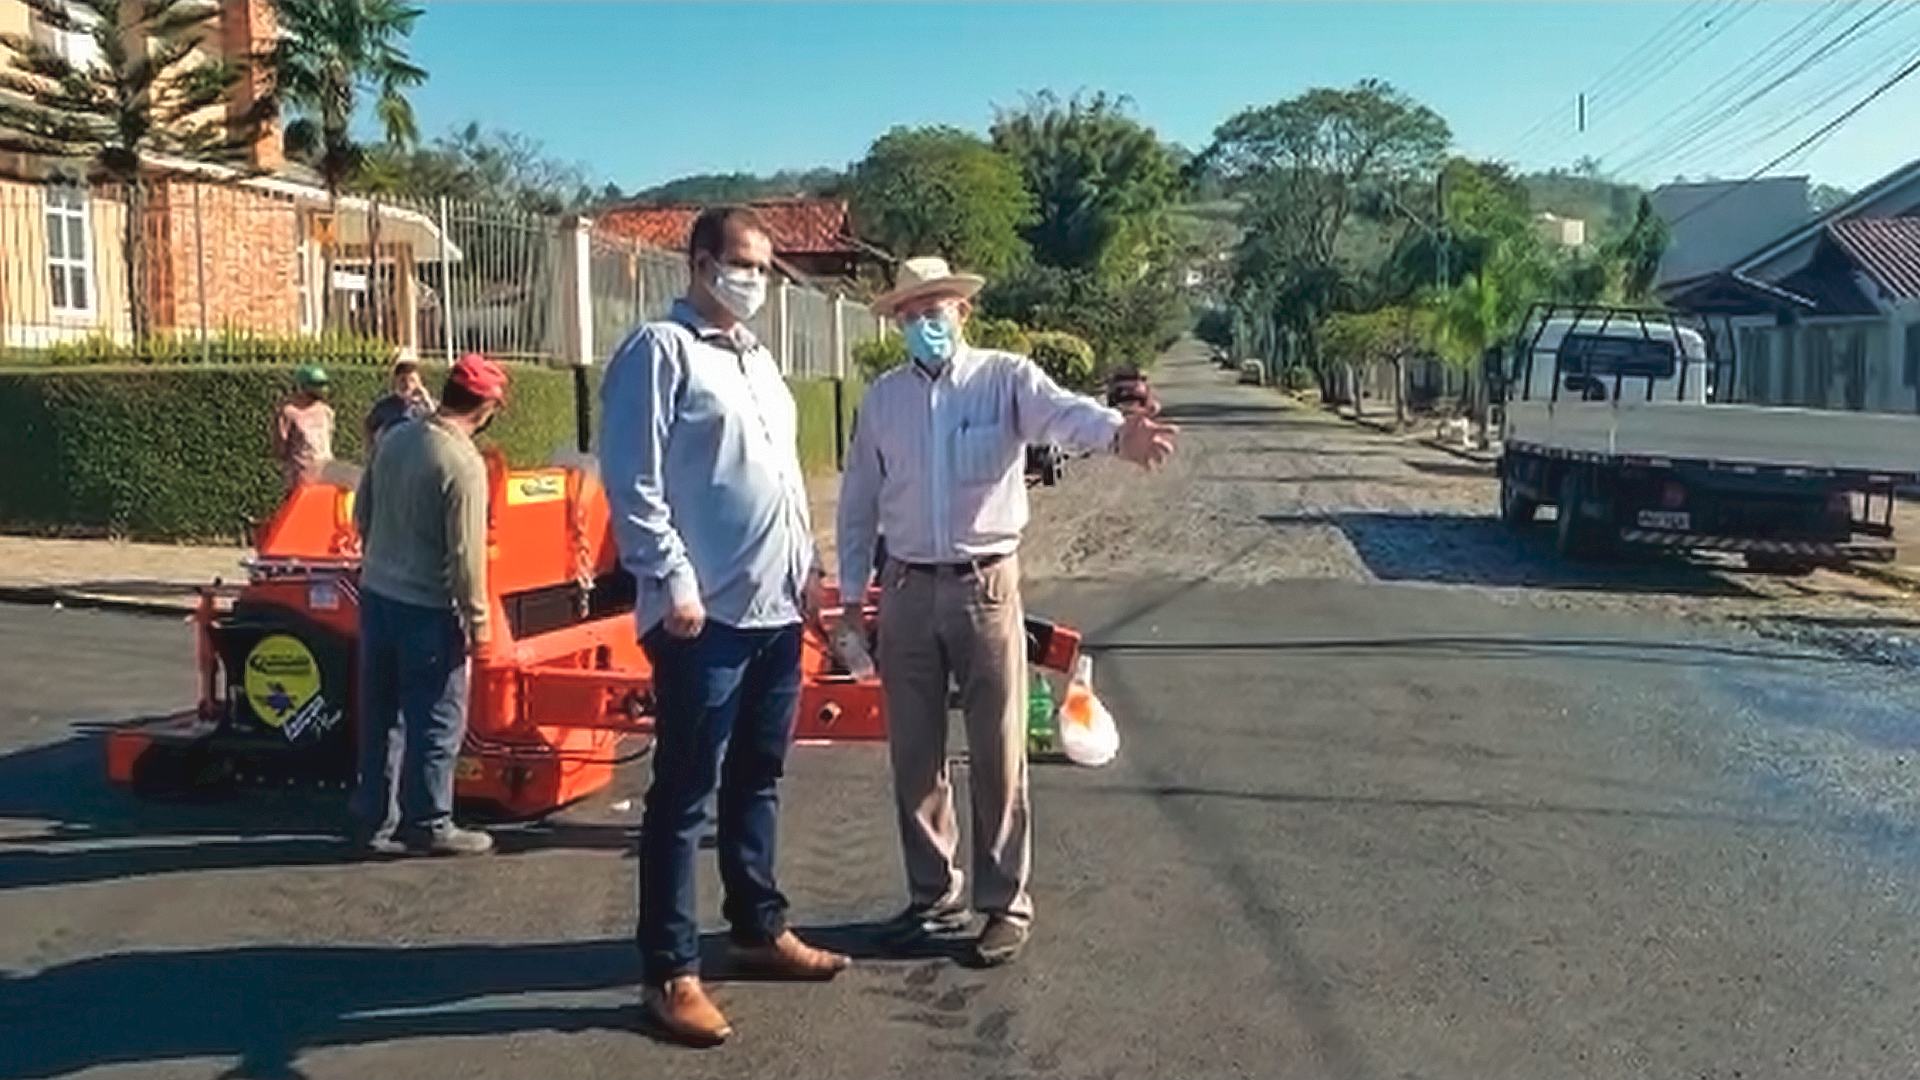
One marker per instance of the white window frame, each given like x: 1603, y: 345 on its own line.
x: 67, y: 205
x: 78, y: 47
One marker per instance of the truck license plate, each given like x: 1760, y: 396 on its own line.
x: 1666, y: 519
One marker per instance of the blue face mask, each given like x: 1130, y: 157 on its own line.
x: 931, y: 338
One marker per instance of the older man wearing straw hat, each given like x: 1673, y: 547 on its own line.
x: 936, y: 465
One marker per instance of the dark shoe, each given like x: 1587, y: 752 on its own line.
x: 787, y: 957
x: 683, y: 1012
x: 1000, y: 942
x: 920, y: 922
x: 451, y: 839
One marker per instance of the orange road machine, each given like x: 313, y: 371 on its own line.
x: 552, y: 700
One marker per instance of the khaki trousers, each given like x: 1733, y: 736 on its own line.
x: 968, y: 623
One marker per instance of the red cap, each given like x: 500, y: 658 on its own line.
x: 480, y: 375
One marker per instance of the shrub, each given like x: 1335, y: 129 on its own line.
x: 1127, y: 323
x: 1066, y: 358
x: 182, y: 453
x: 875, y: 356
x: 230, y: 346
x: 1002, y: 334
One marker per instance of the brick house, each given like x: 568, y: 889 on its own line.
x: 227, y: 249
x: 813, y: 237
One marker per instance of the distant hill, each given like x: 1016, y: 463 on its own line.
x: 1607, y: 207
x: 710, y: 188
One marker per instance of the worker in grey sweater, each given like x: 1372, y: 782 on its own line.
x: 422, y: 514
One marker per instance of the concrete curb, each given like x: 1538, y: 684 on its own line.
x: 48, y: 595
x: 1478, y: 457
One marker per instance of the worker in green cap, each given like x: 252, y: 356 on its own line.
x: 303, y: 428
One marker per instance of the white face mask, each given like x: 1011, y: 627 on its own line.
x: 740, y: 290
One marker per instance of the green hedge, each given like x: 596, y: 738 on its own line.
x: 182, y: 453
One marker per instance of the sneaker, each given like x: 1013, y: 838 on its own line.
x: 451, y: 839
x: 682, y: 1011
x: 1000, y: 942
x: 922, y: 921
x: 375, y: 844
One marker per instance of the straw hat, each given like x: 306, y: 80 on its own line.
x: 924, y: 277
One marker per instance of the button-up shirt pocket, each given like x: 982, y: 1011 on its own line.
x: 984, y: 452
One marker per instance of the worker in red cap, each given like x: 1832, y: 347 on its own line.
x: 422, y: 515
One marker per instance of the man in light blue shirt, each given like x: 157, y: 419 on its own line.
x: 936, y: 466
x: 700, y: 458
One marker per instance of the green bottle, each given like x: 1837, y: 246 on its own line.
x: 1043, y: 734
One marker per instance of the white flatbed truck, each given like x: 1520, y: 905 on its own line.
x: 1613, y: 416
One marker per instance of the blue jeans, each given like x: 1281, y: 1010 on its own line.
x: 724, y: 705
x: 413, y: 714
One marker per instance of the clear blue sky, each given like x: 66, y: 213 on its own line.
x: 641, y: 93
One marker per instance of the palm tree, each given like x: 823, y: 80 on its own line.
x: 148, y: 93
x: 333, y: 54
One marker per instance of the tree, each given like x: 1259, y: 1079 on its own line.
x: 331, y: 54
x: 474, y: 165
x: 129, y: 104
x: 1826, y: 197
x: 941, y: 191
x: 709, y: 189
x: 1391, y: 335
x: 1303, y: 167
x: 1126, y: 322
x: 1639, y: 253
x: 1103, y: 182
x: 1318, y: 149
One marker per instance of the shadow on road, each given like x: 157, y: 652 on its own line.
x: 1371, y: 479
x: 1450, y: 468
x: 1215, y: 414
x: 96, y: 831
x: 1477, y: 806
x: 1462, y: 550
x: 266, y: 1005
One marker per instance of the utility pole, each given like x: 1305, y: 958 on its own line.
x: 1440, y: 231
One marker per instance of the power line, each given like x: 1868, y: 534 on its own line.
x: 1811, y: 140
x: 1725, y: 144
x: 1711, y: 99
x: 1668, y: 61
x: 1659, y: 40
x: 1711, y: 124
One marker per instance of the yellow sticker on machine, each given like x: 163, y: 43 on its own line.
x: 546, y: 485
x: 281, y: 678
x: 466, y: 767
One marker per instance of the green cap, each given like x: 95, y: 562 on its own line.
x: 310, y: 375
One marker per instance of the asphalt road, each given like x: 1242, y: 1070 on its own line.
x: 1361, y: 826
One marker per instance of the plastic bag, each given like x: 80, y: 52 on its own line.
x: 1087, y: 731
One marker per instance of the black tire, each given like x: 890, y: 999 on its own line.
x: 1516, y: 509
x: 1577, y: 536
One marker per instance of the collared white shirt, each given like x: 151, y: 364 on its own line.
x: 937, y: 461
x: 700, y: 458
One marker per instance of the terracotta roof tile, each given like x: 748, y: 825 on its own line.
x: 798, y: 226
x: 1888, y: 249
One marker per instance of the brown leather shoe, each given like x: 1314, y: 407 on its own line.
x: 789, y: 958
x: 684, y: 1013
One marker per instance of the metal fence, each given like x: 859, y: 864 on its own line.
x: 262, y: 268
